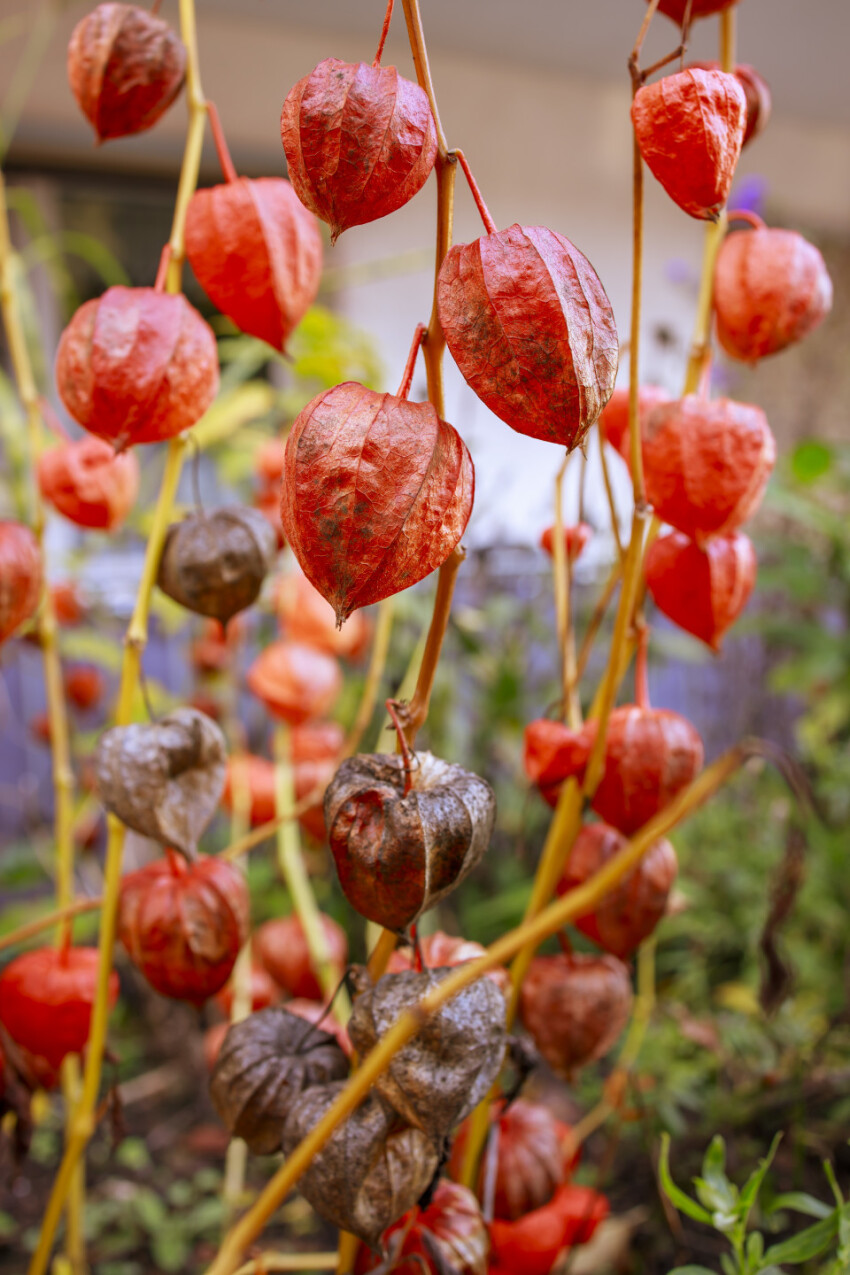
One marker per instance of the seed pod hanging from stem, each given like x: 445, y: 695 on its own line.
x: 215, y: 564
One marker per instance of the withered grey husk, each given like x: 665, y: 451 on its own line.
x: 372, y: 1169
x: 265, y: 1062
x: 214, y: 564
x: 163, y: 779
x: 449, y: 1065
x: 398, y: 855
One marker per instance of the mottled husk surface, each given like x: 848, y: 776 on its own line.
x: 215, y: 563
x: 690, y: 130
x: 771, y: 288
x: 125, y: 67
x: 575, y: 1007
x: 20, y: 576
x: 398, y: 855
x: 163, y: 779
x: 137, y: 366
x: 88, y: 484
x: 706, y: 463
x: 373, y: 1168
x: 702, y: 590
x: 257, y: 253
x: 631, y: 910
x: 264, y: 1064
x: 449, y: 1065
x: 360, y: 141
x: 531, y: 329
x: 377, y: 493
x: 450, y: 1237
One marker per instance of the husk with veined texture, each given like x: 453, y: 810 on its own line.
x: 377, y: 493
x: 281, y: 947
x: 163, y: 779
x: 771, y: 288
x: 372, y: 1169
x: 88, y: 484
x: 575, y: 1007
x: 756, y: 90
x: 215, y: 563
x: 614, y: 421
x: 21, y: 575
x: 305, y: 616
x: 531, y: 1245
x: 125, y: 66
x: 295, y: 681
x: 690, y: 130
x: 257, y: 253
x: 702, y: 590
x: 529, y: 325
x: 262, y: 1069
x: 631, y: 910
x: 449, y: 1237
x: 360, y: 141
x: 706, y: 464
x: 441, y: 949
x: 184, y: 924
x: 397, y: 855
x: 441, y: 1074
x: 137, y: 366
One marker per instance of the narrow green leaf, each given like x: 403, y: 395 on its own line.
x: 800, y: 1202
x: 752, y: 1186
x: 807, y: 1244
x: 682, y: 1202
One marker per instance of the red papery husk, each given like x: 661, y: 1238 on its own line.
x: 455, y: 1228
x: 46, y: 999
x: 281, y: 948
x: 530, y: 1158
x: 702, y: 590
x: 125, y: 67
x: 305, y: 616
x: 575, y: 1006
x: 20, y: 576
x: 614, y: 421
x: 311, y: 772
x: 756, y: 90
x: 137, y: 366
x: 576, y: 539
x: 676, y: 9
x: 529, y: 325
x: 294, y: 681
x: 771, y: 288
x: 68, y: 606
x: 269, y: 461
x: 84, y: 686
x: 690, y: 130
x: 440, y: 950
x: 257, y: 254
x: 706, y: 464
x: 184, y: 923
x: 377, y: 493
x: 360, y: 141
x: 87, y: 483
x: 631, y: 910
x: 650, y: 755
x: 262, y: 990
x: 530, y: 1246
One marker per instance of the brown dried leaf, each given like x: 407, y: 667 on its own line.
x: 398, y: 855
x: 370, y: 1171
x: 165, y: 779
x: 448, y: 1066
x: 264, y: 1064
x: 215, y: 564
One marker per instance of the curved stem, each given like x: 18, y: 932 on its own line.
x: 221, y: 148
x: 60, y: 916
x: 483, y: 211
x: 385, y: 30
x: 407, y: 376
x: 580, y: 900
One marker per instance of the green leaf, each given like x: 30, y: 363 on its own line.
x: 133, y: 1154
x: 752, y: 1186
x: 692, y: 1270
x: 714, y: 1189
x: 807, y: 1244
x: 149, y: 1209
x: 800, y: 1202
x: 8, y: 1225
x: 682, y: 1202
x: 171, y: 1247
x: 811, y: 460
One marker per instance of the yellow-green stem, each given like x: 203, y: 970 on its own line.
x: 83, y: 1122
x: 288, y: 1262
x: 294, y: 873
x: 578, y: 901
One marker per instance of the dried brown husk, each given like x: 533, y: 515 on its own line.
x: 398, y: 855
x: 215, y: 564
x: 372, y: 1169
x: 264, y: 1064
x: 163, y: 779
x: 442, y: 1073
